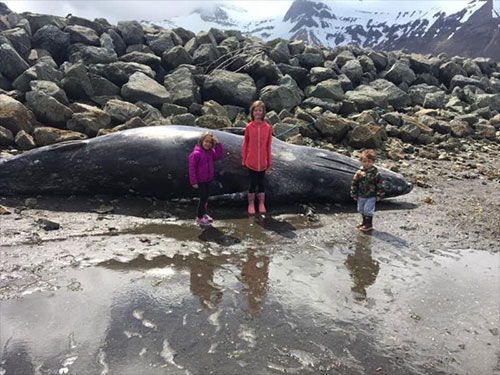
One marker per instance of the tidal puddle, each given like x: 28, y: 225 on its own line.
x: 375, y: 306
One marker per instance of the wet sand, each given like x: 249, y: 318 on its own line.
x: 137, y: 288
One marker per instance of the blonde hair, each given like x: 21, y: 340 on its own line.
x: 368, y: 154
x: 203, y: 136
x: 255, y: 104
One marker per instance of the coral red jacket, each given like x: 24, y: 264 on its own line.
x: 256, y: 149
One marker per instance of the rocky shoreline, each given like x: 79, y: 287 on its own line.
x: 66, y: 78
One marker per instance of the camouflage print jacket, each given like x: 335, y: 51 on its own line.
x: 367, y: 184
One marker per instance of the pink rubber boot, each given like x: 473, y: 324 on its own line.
x: 251, y: 203
x: 262, y: 198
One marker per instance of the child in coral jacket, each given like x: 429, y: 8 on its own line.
x: 256, y: 155
x: 201, y: 171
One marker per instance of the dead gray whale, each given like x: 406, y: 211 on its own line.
x: 153, y: 161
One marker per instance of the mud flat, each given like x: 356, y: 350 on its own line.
x: 131, y: 285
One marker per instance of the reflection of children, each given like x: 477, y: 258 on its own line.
x: 201, y: 170
x: 367, y: 188
x: 256, y: 154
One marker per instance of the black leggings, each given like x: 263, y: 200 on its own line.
x: 256, y: 181
x: 203, y: 194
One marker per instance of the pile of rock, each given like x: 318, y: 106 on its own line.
x: 72, y: 78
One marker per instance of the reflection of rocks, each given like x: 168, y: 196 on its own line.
x: 255, y: 275
x: 362, y: 267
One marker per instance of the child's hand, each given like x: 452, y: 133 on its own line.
x: 215, y: 140
x: 195, y: 186
x: 355, y: 198
x: 379, y: 199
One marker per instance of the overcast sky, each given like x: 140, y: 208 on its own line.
x: 157, y: 10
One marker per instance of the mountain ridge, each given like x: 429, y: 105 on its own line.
x: 430, y: 29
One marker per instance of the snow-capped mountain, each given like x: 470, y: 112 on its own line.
x: 458, y: 27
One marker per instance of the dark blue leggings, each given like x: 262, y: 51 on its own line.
x: 203, y: 194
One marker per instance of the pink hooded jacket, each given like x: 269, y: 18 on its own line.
x: 201, y: 163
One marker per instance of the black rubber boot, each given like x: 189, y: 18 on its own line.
x: 368, y: 224
x: 362, y: 224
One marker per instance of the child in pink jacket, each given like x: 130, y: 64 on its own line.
x: 201, y: 171
x: 256, y: 155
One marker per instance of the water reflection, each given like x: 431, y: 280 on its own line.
x: 253, y: 266
x: 363, y: 269
x: 255, y: 277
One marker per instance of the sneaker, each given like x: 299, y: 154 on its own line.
x: 209, y: 218
x: 202, y: 221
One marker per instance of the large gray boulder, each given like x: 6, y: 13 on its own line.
x: 77, y: 83
x: 298, y: 73
x: 448, y: 70
x: 366, y: 97
x: 91, y: 55
x: 88, y: 119
x: 417, y: 93
x: 229, y: 88
x: 160, y: 43
x: 54, y: 40
x: 97, y: 27
x: 119, y: 72
x: 20, y: 40
x: 42, y: 71
x: 343, y: 57
x: 488, y: 100
x: 279, y: 97
x: 24, y: 141
x: 102, y: 86
x: 310, y: 60
x: 82, y: 34
x: 400, y: 73
x: 51, y: 89
x: 366, y: 136
x: 14, y: 115
x: 11, y: 63
x: 182, y: 86
x: 319, y: 73
x: 395, y: 96
x: 37, y: 21
x: 435, y: 100
x: 328, y: 89
x: 205, y: 54
x: 379, y: 59
x: 118, y: 43
x: 47, y: 109
x: 262, y: 68
x: 6, y: 137
x: 131, y: 32
x: 176, y: 56
x: 121, y: 111
x: 47, y: 135
x: 140, y: 87
x: 423, y: 64
x: 353, y: 70
x: 334, y: 127
x: 148, y: 59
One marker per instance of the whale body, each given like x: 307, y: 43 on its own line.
x: 153, y: 161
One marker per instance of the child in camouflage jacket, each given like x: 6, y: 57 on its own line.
x: 367, y: 188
